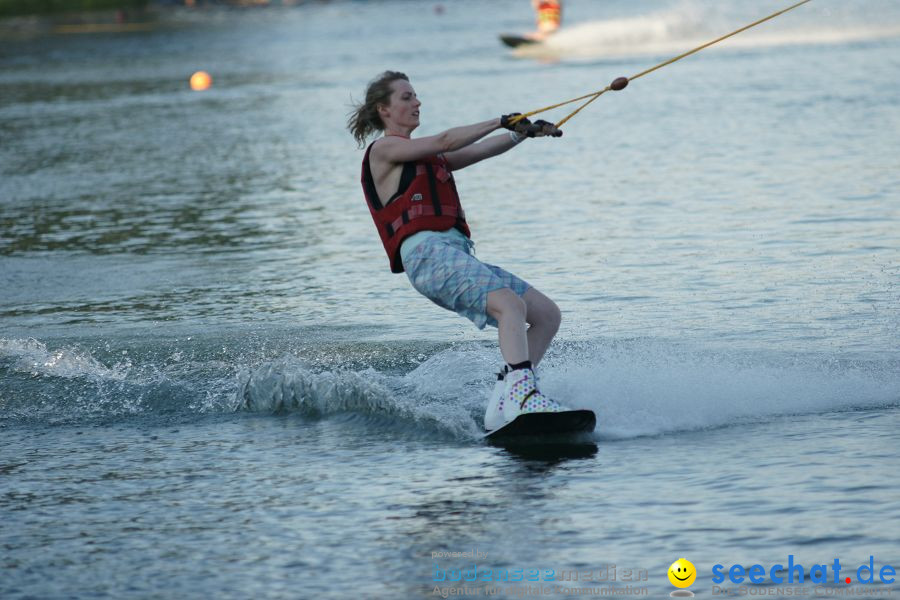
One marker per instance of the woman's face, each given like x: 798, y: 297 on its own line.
x: 403, y: 110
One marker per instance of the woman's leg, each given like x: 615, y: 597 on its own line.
x: 510, y: 311
x: 544, y: 317
x: 518, y: 344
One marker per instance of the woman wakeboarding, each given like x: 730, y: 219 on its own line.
x: 410, y: 190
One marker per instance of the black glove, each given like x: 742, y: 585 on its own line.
x: 520, y: 127
x: 541, y: 128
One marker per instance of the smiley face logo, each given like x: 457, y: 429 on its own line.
x: 682, y: 573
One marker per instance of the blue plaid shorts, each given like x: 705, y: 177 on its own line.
x: 443, y: 268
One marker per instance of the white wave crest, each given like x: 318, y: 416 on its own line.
x: 288, y: 386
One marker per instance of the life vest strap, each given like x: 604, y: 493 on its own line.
x: 432, y: 189
x: 422, y: 210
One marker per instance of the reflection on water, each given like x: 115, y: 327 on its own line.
x: 544, y: 454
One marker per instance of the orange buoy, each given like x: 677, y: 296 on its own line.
x: 200, y: 81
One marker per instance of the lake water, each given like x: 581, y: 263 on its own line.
x: 212, y: 386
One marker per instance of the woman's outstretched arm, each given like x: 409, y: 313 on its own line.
x: 492, y: 146
x: 397, y: 149
x: 498, y: 144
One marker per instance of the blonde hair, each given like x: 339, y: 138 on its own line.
x: 364, y: 119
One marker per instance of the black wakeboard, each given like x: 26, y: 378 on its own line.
x: 546, y: 423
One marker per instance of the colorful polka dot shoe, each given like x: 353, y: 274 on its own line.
x: 493, y: 415
x: 522, y: 396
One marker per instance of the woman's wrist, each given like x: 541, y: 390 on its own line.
x: 515, y: 137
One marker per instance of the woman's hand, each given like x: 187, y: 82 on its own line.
x: 522, y: 127
x: 543, y: 128
x: 505, y: 122
x: 526, y: 128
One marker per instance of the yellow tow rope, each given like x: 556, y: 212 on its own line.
x: 621, y: 82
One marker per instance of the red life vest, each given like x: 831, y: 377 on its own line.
x: 430, y: 203
x: 549, y: 15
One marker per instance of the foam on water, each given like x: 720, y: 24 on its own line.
x: 647, y: 388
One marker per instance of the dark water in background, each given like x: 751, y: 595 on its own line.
x: 210, y: 385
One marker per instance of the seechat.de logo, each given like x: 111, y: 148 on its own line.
x: 795, y: 573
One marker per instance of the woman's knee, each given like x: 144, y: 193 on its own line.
x: 504, y: 303
x: 551, y: 316
x: 542, y: 310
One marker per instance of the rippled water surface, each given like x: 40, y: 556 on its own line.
x: 212, y: 386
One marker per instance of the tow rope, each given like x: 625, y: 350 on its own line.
x: 620, y: 82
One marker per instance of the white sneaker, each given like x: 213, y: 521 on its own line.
x: 522, y: 396
x: 493, y: 416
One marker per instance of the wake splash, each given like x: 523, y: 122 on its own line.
x: 689, y: 25
x: 443, y: 394
x: 33, y: 357
x: 647, y: 388
x: 637, y: 388
x: 74, y: 383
